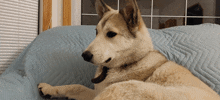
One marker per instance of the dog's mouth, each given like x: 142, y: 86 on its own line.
x: 101, y: 77
x: 108, y: 60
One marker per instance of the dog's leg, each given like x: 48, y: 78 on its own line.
x: 137, y: 90
x: 75, y: 91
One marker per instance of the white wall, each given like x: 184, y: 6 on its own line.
x: 57, y: 13
x: 76, y: 12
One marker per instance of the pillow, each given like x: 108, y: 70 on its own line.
x: 195, y: 47
x: 54, y: 57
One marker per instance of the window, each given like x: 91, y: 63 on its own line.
x: 159, y: 14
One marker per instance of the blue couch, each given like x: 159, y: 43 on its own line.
x: 54, y: 57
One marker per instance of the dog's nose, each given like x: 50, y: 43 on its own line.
x: 87, y: 56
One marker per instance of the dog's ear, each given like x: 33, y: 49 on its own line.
x: 131, y: 15
x: 101, y: 8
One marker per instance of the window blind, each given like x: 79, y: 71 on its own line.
x: 18, y: 28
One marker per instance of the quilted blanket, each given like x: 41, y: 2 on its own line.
x: 54, y: 57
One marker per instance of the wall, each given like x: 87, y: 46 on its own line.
x: 57, y: 13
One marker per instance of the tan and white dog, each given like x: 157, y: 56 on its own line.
x: 129, y: 67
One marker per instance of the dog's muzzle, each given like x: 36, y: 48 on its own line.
x: 87, y: 56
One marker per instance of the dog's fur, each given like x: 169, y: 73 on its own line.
x: 135, y: 70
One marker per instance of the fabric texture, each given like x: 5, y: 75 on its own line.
x: 54, y: 57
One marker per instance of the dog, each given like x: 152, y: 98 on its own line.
x: 128, y: 66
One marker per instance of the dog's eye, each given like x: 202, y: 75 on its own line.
x: 111, y: 34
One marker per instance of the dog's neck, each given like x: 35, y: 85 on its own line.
x: 140, y: 70
x: 134, y: 63
x: 127, y: 65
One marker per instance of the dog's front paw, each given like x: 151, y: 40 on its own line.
x: 47, y: 91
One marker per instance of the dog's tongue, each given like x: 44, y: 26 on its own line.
x: 101, y: 77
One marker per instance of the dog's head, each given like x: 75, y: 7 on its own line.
x: 121, y: 36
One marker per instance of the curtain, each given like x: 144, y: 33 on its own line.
x: 18, y: 28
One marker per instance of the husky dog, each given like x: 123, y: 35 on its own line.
x: 129, y: 67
